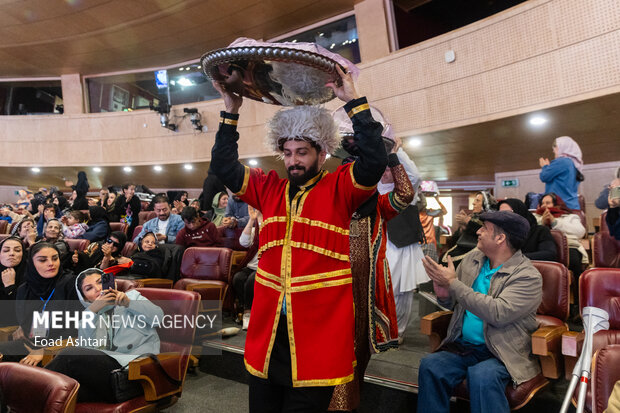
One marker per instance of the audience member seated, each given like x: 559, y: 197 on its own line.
x: 92, y: 365
x: 12, y: 268
x: 48, y: 212
x: 165, y: 225
x: 613, y: 212
x: 103, y: 194
x: 539, y: 244
x: 195, y: 204
x: 464, y: 240
x: 59, y: 199
x: 128, y: 207
x: 109, y: 249
x: 53, y: 235
x: 7, y: 214
x: 47, y: 287
x: 198, y: 232
x: 74, y: 225
x: 98, y: 226
x: 25, y: 229
x: 218, y: 211
x: 553, y: 213
x: 181, y: 200
x: 563, y: 175
x: 236, y: 213
x: 109, y: 205
x: 150, y: 261
x: 602, y: 202
x: 243, y: 281
x: 495, y: 294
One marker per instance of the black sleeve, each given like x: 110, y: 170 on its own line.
x: 210, y: 187
x: 372, y: 161
x: 224, y: 156
x: 546, y: 249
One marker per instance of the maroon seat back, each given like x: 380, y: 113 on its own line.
x: 77, y: 244
x: 605, y: 374
x: 175, y: 302
x: 605, y: 250
x: 206, y: 263
x: 129, y: 249
x: 229, y: 238
x: 600, y: 287
x: 4, y: 226
x: 4, y: 236
x: 119, y: 226
x: 603, y: 225
x: 123, y: 284
x: 554, y: 308
x: 144, y: 216
x: 561, y: 244
x: 33, y: 389
x: 136, y: 231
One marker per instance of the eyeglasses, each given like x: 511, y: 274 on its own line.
x: 111, y: 241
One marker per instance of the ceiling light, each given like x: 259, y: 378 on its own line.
x: 538, y: 120
x: 188, y: 166
x: 414, y: 142
x: 181, y: 69
x: 158, y: 168
x: 187, y: 68
x: 253, y: 162
x: 184, y: 82
x: 96, y: 169
x: 35, y: 170
x: 127, y: 169
x: 328, y: 156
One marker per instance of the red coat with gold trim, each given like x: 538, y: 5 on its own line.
x: 304, y: 261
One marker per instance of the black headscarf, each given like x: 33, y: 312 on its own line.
x: 20, y: 268
x: 81, y: 187
x: 518, y: 207
x: 122, y: 240
x: 36, y: 285
x: 97, y: 213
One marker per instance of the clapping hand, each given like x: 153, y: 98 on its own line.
x: 543, y: 162
x: 442, y: 276
x: 547, y: 218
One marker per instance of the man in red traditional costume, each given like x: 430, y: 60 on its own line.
x: 300, y: 339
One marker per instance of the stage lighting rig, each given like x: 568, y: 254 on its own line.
x: 194, y: 117
x: 164, y: 116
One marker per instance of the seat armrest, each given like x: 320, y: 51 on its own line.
x: 435, y: 326
x: 547, y: 345
x: 209, y: 292
x: 155, y: 283
x: 572, y: 342
x: 154, y: 382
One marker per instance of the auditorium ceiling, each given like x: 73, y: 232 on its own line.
x: 54, y: 37
x: 471, y: 153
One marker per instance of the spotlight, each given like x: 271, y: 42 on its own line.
x: 96, y: 169
x: 253, y: 162
x: 188, y: 166
x: 164, y: 116
x: 157, y: 168
x: 538, y: 120
x: 35, y: 170
x: 127, y: 169
x: 194, y: 117
x: 414, y: 142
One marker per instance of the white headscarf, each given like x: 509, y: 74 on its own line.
x: 568, y: 148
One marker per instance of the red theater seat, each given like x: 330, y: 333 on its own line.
x: 598, y: 287
x: 144, y: 216
x: 77, y: 244
x: 33, y: 389
x: 561, y: 244
x: 176, y: 344
x: 605, y: 374
x: 605, y: 250
x: 4, y: 227
x: 119, y: 226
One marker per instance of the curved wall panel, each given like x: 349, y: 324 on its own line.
x: 542, y: 53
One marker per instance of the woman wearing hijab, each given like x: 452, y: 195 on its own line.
x: 92, y: 366
x: 563, y: 175
x: 220, y: 201
x: 98, y: 226
x: 148, y: 261
x: 12, y: 269
x: 466, y: 236
x: 109, y: 204
x: 45, y: 287
x: 26, y: 230
x: 539, y: 244
x: 81, y: 190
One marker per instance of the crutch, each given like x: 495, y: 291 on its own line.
x: 594, y: 320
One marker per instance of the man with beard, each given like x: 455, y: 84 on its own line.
x: 300, y: 339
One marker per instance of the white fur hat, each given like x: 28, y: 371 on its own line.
x: 311, y: 123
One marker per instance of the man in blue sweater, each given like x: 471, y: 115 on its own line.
x: 165, y: 225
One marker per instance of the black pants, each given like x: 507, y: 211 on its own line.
x: 243, y: 284
x: 13, y: 350
x: 91, y: 368
x: 277, y: 394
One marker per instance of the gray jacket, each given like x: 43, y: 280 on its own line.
x: 508, y: 311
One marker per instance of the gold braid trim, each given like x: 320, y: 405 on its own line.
x: 246, y: 181
x: 227, y: 121
x: 358, y: 186
x: 270, y: 244
x: 313, y: 277
x: 323, y: 382
x: 403, y: 190
x: 268, y: 284
x: 358, y: 109
x: 320, y: 224
x: 322, y: 251
x: 268, y: 275
x: 325, y: 284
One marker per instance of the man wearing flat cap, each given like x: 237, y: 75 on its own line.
x: 495, y: 294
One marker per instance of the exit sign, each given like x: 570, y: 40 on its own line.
x: 510, y: 182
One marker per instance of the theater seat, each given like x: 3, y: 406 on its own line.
x: 229, y: 238
x: 136, y: 231
x: 605, y: 250
x: 119, y: 226
x: 144, y: 216
x: 78, y: 244
x: 546, y: 341
x: 176, y: 344
x: 129, y: 249
x: 605, y: 374
x: 4, y: 226
x: 125, y: 285
x: 208, y: 268
x: 4, y: 236
x: 28, y: 389
x: 561, y: 244
x: 598, y: 287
